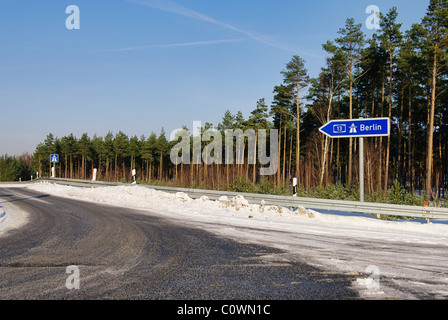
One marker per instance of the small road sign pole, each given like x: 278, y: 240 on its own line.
x: 54, y: 158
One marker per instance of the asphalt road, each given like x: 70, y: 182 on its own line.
x: 123, y: 254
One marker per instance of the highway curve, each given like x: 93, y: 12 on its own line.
x: 123, y: 254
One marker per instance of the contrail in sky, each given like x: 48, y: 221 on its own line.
x: 170, y: 6
x: 175, y: 45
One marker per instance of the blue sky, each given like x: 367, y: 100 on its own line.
x: 140, y: 65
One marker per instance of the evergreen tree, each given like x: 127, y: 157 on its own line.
x: 391, y: 39
x: 281, y: 112
x: 324, y: 88
x: 296, y: 76
x: 161, y: 151
x: 227, y: 122
x: 351, y: 43
x: 97, y: 152
x: 84, y: 148
x: 134, y: 151
x: 71, y: 145
x: 120, y: 143
x: 435, y: 24
x: 258, y: 119
x: 108, y: 153
x: 14, y: 168
x: 148, y: 154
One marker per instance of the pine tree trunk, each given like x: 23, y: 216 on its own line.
x: 160, y: 165
x: 325, y: 151
x: 279, y: 152
x: 298, y: 136
x: 116, y: 166
x: 400, y: 130
x: 410, y: 136
x: 285, y: 137
x: 254, y: 160
x: 429, y: 152
x: 290, y: 157
x: 66, y: 167
x: 71, y: 166
x: 386, y: 175
x: 380, y: 144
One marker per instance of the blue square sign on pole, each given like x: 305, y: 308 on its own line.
x: 54, y: 158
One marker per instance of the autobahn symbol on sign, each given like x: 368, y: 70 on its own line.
x: 357, y: 128
x: 54, y: 158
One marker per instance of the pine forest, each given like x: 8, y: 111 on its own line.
x: 400, y: 74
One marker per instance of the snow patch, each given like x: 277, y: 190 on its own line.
x: 139, y: 197
x: 180, y: 204
x: 11, y: 218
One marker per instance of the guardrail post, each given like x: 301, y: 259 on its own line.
x: 294, y: 187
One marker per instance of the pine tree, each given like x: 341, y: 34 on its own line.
x: 120, y: 144
x: 391, y: 39
x: 84, y: 146
x: 329, y: 83
x: 134, y: 151
x: 97, y: 153
x: 162, y: 151
x: 435, y: 24
x: 148, y: 153
x: 227, y: 123
x: 280, y: 109
x: 296, y: 76
x: 109, y: 153
x: 351, y: 43
x: 258, y: 119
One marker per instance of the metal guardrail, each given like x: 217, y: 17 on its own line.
x: 285, y: 201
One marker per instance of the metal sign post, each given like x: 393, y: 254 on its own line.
x: 358, y: 128
x: 361, y: 169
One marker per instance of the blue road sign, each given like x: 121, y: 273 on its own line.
x: 356, y: 128
x: 54, y: 158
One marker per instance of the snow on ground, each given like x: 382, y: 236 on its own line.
x: 238, y: 208
x: 413, y: 255
x: 11, y: 217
